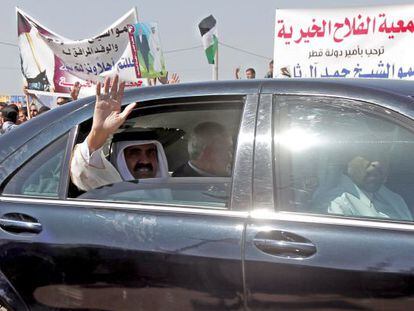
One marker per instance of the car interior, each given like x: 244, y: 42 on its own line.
x: 171, y: 127
x: 343, y: 136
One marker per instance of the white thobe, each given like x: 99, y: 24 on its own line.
x: 348, y: 199
x: 90, y: 171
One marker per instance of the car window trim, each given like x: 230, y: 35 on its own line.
x: 243, y: 187
x: 242, y: 182
x: 64, y: 170
x: 257, y: 215
x: 126, y: 206
x: 263, y: 190
x: 280, y: 170
x: 335, y: 220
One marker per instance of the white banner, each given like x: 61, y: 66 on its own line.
x: 52, y: 63
x: 363, y: 42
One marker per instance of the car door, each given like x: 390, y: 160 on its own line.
x: 61, y: 252
x: 304, y: 248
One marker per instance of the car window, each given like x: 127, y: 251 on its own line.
x: 339, y: 158
x: 181, y: 154
x: 40, y: 176
x: 194, y: 191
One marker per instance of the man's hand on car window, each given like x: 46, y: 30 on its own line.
x: 107, y: 116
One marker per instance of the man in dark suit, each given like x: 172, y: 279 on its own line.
x: 143, y: 47
x: 210, y: 150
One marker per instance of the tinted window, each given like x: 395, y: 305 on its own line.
x: 338, y: 159
x: 41, y: 175
x: 195, y: 145
x: 208, y: 192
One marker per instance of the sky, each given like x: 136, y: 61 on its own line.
x: 246, y: 25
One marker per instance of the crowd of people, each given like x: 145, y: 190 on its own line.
x: 12, y: 115
x: 250, y: 73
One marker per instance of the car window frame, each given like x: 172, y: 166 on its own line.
x: 280, y: 106
x: 69, y: 134
x: 240, y: 188
x: 65, y: 173
x: 263, y: 166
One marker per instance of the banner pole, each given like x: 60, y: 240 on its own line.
x: 28, y: 107
x: 136, y: 13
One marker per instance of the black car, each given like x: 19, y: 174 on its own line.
x: 293, y: 227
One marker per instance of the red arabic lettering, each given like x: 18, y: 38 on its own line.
x: 339, y: 30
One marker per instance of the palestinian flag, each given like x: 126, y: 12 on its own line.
x: 208, y: 32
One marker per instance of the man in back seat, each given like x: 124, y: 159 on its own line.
x: 210, y: 149
x: 361, y: 192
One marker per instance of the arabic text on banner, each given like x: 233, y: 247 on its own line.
x: 52, y: 63
x: 369, y: 42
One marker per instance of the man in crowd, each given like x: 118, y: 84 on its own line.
x: 9, y: 119
x: 14, y: 107
x: 250, y: 73
x: 210, y: 151
x: 33, y: 110
x: 22, y: 115
x: 74, y: 94
x: 269, y: 74
x: 62, y: 100
x: 361, y: 192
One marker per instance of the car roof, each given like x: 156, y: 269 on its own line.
x: 393, y: 94
x: 401, y: 87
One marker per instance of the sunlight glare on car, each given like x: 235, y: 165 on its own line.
x: 297, y: 139
x: 261, y: 213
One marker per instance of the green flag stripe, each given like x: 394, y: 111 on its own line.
x: 211, y: 50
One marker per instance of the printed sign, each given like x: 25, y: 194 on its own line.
x: 369, y: 42
x: 52, y: 63
x: 146, y: 50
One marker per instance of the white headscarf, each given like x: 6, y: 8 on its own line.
x: 118, y: 158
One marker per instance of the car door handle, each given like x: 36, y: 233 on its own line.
x: 20, y: 226
x: 284, y: 244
